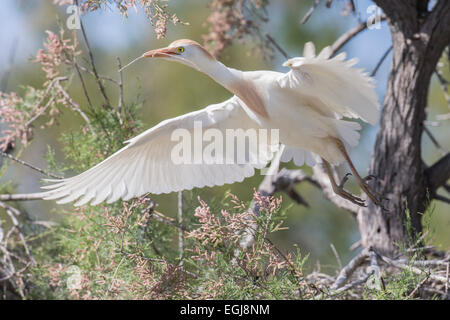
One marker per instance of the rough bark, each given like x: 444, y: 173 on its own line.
x: 418, y: 39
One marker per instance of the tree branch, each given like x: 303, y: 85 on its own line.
x: 442, y: 198
x: 91, y: 58
x: 380, y: 62
x: 120, y: 84
x: 3, y: 154
x: 75, y: 106
x: 438, y: 174
x: 310, y: 12
x: 21, y: 197
x: 434, y: 140
x: 180, y: 231
x: 349, y: 269
x: 277, y: 46
x: 350, y: 34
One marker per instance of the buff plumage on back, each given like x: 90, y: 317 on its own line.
x: 347, y: 91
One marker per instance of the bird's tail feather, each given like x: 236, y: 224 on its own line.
x: 348, y: 131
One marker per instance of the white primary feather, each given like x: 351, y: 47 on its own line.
x: 145, y: 165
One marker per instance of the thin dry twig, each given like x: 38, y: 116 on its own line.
x: 91, y: 58
x: 310, y: 12
x: 180, y: 231
x: 405, y: 266
x: 350, y: 34
x: 83, y: 84
x: 380, y: 62
x: 435, y: 142
x: 49, y: 102
x: 444, y: 85
x: 446, y: 277
x: 416, y: 289
x: 338, y: 259
x: 102, y: 77
x: 375, y: 270
x: 75, y: 106
x: 7, y: 155
x: 120, y: 84
x: 352, y: 284
x: 277, y: 46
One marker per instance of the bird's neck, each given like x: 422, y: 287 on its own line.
x: 226, y: 77
x: 235, y: 82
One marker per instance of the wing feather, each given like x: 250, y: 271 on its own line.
x: 345, y: 90
x: 144, y: 165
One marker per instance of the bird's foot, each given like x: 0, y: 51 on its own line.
x: 339, y: 190
x: 375, y: 196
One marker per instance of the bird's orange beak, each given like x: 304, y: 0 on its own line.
x: 163, y: 52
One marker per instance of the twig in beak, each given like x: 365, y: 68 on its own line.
x: 127, y: 65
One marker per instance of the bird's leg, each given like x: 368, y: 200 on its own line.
x: 339, y: 189
x: 362, y: 182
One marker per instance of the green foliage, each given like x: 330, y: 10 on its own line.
x: 129, y: 249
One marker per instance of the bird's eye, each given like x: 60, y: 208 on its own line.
x: 180, y: 49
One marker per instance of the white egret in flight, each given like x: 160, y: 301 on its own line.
x: 307, y: 105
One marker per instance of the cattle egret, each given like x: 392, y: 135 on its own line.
x: 307, y: 104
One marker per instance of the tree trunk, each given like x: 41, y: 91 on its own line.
x: 419, y: 38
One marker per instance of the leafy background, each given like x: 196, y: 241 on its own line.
x: 168, y: 90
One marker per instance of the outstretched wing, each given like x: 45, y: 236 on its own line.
x: 347, y: 91
x: 145, y: 164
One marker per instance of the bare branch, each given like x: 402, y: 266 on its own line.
x: 100, y: 76
x: 349, y: 269
x: 21, y: 197
x: 167, y: 220
x: 444, y: 86
x: 406, y: 266
x: 350, y: 34
x: 47, y: 91
x: 75, y: 106
x: 438, y: 174
x: 380, y: 62
x: 7, y: 155
x: 91, y: 57
x: 83, y: 84
x: 310, y: 12
x: 180, y: 231
x: 277, y: 46
x: 338, y: 259
x: 37, y: 115
x: 352, y: 284
x: 441, y: 198
x: 120, y: 103
x: 416, y: 289
x: 435, y: 142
